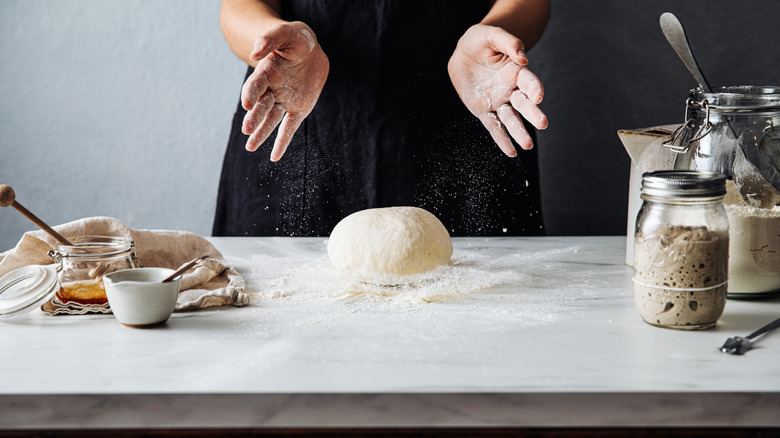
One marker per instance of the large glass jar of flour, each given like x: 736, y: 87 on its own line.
x: 681, y: 249
x: 735, y: 130
x: 726, y: 122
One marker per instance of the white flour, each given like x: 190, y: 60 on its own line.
x: 754, y: 251
x: 309, y: 39
x: 494, y: 288
x: 520, y: 287
x: 314, y: 277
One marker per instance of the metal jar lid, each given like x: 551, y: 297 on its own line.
x: 684, y: 183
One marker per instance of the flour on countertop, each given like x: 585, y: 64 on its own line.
x: 515, y: 286
x: 314, y: 277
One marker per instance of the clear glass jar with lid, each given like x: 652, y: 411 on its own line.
x: 681, y: 249
x: 75, y: 277
x: 82, y: 266
x: 735, y: 130
x: 716, y: 123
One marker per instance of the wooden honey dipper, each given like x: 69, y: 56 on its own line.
x: 8, y: 197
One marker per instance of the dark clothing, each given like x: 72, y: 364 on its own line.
x: 388, y: 130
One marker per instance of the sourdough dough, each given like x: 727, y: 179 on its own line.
x: 389, y: 241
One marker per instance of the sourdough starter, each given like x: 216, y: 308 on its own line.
x: 680, y: 275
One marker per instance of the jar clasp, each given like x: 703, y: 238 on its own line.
x: 675, y: 142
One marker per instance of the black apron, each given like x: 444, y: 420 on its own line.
x: 388, y: 130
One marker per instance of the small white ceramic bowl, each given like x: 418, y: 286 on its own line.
x: 138, y: 297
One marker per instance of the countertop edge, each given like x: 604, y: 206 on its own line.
x: 350, y: 410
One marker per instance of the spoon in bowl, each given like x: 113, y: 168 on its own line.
x: 185, y: 268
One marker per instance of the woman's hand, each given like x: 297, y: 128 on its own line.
x: 290, y: 73
x: 488, y: 70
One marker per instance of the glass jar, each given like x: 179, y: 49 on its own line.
x: 82, y: 266
x: 735, y: 130
x: 717, y: 123
x: 681, y: 249
x: 754, y: 252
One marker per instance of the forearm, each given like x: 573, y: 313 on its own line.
x: 242, y: 21
x: 525, y: 19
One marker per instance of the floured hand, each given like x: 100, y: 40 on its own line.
x: 285, y: 86
x: 489, y: 71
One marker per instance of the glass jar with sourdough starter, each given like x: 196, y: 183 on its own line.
x: 681, y: 249
x: 83, y: 265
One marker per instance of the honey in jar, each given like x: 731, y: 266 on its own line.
x: 87, y: 292
x: 83, y: 264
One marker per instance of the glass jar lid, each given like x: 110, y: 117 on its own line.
x: 684, y: 183
x: 25, y: 288
x: 738, y: 98
x: 96, y: 247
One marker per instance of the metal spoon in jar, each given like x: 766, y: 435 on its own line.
x: 675, y: 34
x: 751, y: 183
x: 756, y: 172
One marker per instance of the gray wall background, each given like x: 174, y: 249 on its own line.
x: 122, y: 108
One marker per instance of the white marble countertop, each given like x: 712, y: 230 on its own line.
x: 538, y: 332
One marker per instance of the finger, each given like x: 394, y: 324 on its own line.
x: 504, y: 42
x: 528, y: 109
x: 257, y: 113
x: 514, y: 124
x: 530, y: 84
x: 272, y: 119
x: 270, y: 41
x: 497, y: 131
x: 254, y: 87
x: 509, y: 75
x: 284, y: 136
x: 264, y: 45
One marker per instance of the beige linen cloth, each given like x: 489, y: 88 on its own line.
x: 211, y: 283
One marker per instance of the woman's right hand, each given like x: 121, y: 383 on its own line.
x: 291, y: 71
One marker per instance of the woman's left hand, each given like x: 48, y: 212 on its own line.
x: 489, y: 71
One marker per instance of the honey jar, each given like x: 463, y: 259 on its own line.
x: 83, y: 265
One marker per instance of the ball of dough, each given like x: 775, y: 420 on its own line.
x: 389, y: 241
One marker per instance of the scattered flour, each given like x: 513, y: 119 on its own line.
x: 295, y: 290
x: 315, y: 277
x: 308, y: 321
x: 513, y: 287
